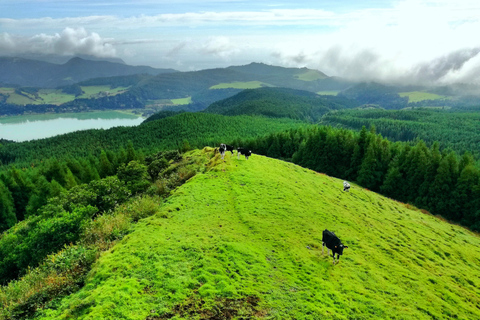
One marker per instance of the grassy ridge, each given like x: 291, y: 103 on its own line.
x: 244, y: 239
x: 416, y: 96
x: 240, y: 85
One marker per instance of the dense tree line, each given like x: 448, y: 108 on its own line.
x: 42, y: 209
x: 24, y: 191
x: 453, y: 129
x: 375, y: 93
x: 439, y: 181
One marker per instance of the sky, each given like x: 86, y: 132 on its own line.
x: 406, y: 41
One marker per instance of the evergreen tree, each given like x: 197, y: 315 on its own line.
x: 7, y: 210
x: 368, y: 175
x: 105, y: 166
x: 415, y: 170
x: 466, y: 202
x: 40, y: 196
x: 426, y: 192
x: 443, y: 186
x: 358, y: 154
x: 131, y: 154
x: 55, y: 188
x: 20, y: 188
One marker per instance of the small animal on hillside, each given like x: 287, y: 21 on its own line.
x: 227, y: 147
x: 346, y: 186
x: 332, y: 242
x: 221, y: 149
x: 245, y: 152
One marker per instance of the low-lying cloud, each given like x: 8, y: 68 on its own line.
x: 69, y: 42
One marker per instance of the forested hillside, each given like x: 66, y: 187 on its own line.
x: 280, y: 103
x: 452, y: 129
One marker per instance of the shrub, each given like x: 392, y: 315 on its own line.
x: 60, y: 274
x: 33, y: 240
x: 134, y: 175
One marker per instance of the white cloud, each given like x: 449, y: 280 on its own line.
x: 409, y: 41
x: 69, y: 42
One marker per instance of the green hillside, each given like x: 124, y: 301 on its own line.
x: 243, y: 241
x: 279, y: 103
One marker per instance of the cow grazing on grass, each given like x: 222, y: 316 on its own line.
x: 221, y: 149
x: 245, y: 152
x: 227, y: 147
x: 346, y: 186
x: 333, y: 243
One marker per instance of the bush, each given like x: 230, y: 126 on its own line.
x: 134, y: 175
x: 60, y: 274
x: 28, y: 244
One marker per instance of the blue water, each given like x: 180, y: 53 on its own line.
x: 31, y: 127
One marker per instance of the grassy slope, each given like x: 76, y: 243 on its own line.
x: 239, y: 234
x: 56, y: 96
x: 416, y: 96
x: 240, y: 85
x: 310, y: 75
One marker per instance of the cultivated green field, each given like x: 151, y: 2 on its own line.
x: 416, y: 96
x: 182, y: 101
x: 328, y: 93
x: 93, y: 91
x: 243, y: 241
x: 310, y: 75
x: 241, y: 85
x: 57, y: 97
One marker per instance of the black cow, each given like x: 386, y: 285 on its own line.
x: 333, y: 243
x: 245, y: 152
x: 221, y: 149
x: 227, y: 147
x: 346, y: 186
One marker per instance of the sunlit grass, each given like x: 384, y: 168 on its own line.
x: 249, y: 231
x: 93, y: 91
x: 310, y: 75
x: 416, y: 96
x: 240, y: 85
x: 328, y: 93
x: 56, y: 96
x: 182, y: 101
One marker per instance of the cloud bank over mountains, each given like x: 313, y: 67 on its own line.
x: 409, y: 41
x: 68, y: 42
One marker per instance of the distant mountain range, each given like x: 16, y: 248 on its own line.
x: 15, y: 71
x: 26, y: 87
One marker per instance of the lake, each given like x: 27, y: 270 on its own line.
x: 30, y: 127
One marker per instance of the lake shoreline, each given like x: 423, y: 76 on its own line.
x: 38, y: 126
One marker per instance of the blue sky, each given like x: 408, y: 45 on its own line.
x: 408, y: 41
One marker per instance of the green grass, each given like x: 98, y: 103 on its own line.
x: 416, y: 96
x: 310, y: 75
x: 53, y: 97
x: 182, y: 101
x: 93, y: 91
x: 244, y: 239
x: 328, y: 93
x: 240, y: 85
x: 57, y: 97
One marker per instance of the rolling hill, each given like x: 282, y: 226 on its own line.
x: 242, y: 240
x: 35, y: 73
x: 280, y: 102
